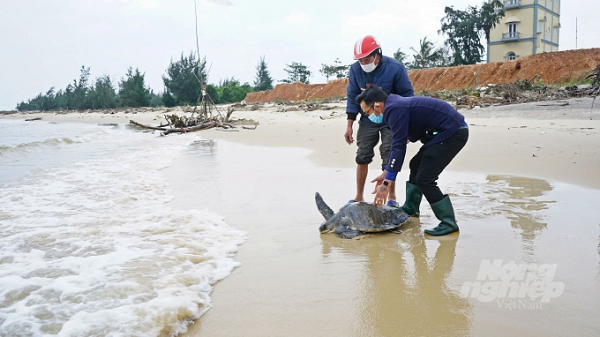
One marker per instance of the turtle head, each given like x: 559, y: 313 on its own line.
x: 326, y: 227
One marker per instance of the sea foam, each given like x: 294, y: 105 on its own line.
x: 93, y: 248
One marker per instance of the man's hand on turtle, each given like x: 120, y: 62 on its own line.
x: 381, y: 191
x: 381, y: 196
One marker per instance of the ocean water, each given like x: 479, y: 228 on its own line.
x: 89, y: 245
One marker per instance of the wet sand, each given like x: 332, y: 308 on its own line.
x: 525, y: 190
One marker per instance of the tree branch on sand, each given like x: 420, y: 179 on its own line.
x: 182, y: 124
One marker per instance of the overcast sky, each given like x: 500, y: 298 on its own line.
x: 44, y: 43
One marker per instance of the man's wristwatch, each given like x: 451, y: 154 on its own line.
x: 386, y: 183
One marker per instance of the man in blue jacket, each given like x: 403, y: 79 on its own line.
x: 390, y: 75
x: 443, y: 132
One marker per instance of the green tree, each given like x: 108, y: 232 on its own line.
x: 230, y: 91
x: 168, y: 100
x: 77, y: 91
x: 297, y: 72
x: 181, y: 82
x: 61, y: 99
x: 102, y: 95
x: 43, y: 102
x: 490, y: 15
x: 155, y: 99
x: 213, y: 92
x: 337, y: 70
x: 444, y: 58
x: 426, y: 56
x: 463, y: 30
x: 133, y: 91
x: 401, y: 56
x: 263, y: 80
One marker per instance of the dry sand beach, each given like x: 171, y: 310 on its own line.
x: 526, y: 190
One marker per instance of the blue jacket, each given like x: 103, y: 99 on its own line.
x: 427, y: 119
x: 390, y: 75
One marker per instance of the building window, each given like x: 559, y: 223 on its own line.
x: 512, y: 29
x: 555, y: 34
x: 540, y: 26
x: 511, y: 56
x: 549, y: 4
x: 548, y: 33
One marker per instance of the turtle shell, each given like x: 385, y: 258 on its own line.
x: 367, y: 217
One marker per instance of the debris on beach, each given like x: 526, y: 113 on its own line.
x: 596, y: 75
x: 202, y: 120
x: 540, y: 77
x: 519, y: 91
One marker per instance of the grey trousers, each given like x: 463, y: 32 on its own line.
x: 367, y: 137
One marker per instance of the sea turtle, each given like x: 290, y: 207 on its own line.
x: 358, y: 218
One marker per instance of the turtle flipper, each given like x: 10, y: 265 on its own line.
x: 345, y: 231
x: 348, y: 233
x: 323, y: 208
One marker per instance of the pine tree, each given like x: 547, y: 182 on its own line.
x: 132, y: 90
x: 77, y: 91
x: 167, y: 99
x: 337, y: 70
x: 263, y: 79
x: 102, y: 95
x: 180, y: 81
x: 297, y: 72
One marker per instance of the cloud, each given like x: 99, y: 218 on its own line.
x: 298, y: 17
x: 398, y: 23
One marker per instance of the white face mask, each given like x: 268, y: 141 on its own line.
x: 367, y: 68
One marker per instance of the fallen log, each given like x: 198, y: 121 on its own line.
x: 147, y: 126
x: 205, y: 125
x: 166, y: 131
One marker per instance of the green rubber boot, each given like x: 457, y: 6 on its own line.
x: 445, y: 213
x: 413, y: 200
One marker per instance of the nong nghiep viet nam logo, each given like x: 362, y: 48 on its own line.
x: 512, y: 281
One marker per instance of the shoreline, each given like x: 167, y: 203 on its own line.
x: 538, y: 139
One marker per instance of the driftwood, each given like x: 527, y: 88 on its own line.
x: 166, y: 131
x: 184, y: 124
x: 206, y: 125
x: 147, y: 126
x: 33, y: 119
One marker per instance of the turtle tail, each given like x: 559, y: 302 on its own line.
x: 323, y: 208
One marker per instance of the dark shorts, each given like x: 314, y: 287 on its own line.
x: 367, y: 137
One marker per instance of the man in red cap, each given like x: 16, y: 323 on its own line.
x: 390, y: 75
